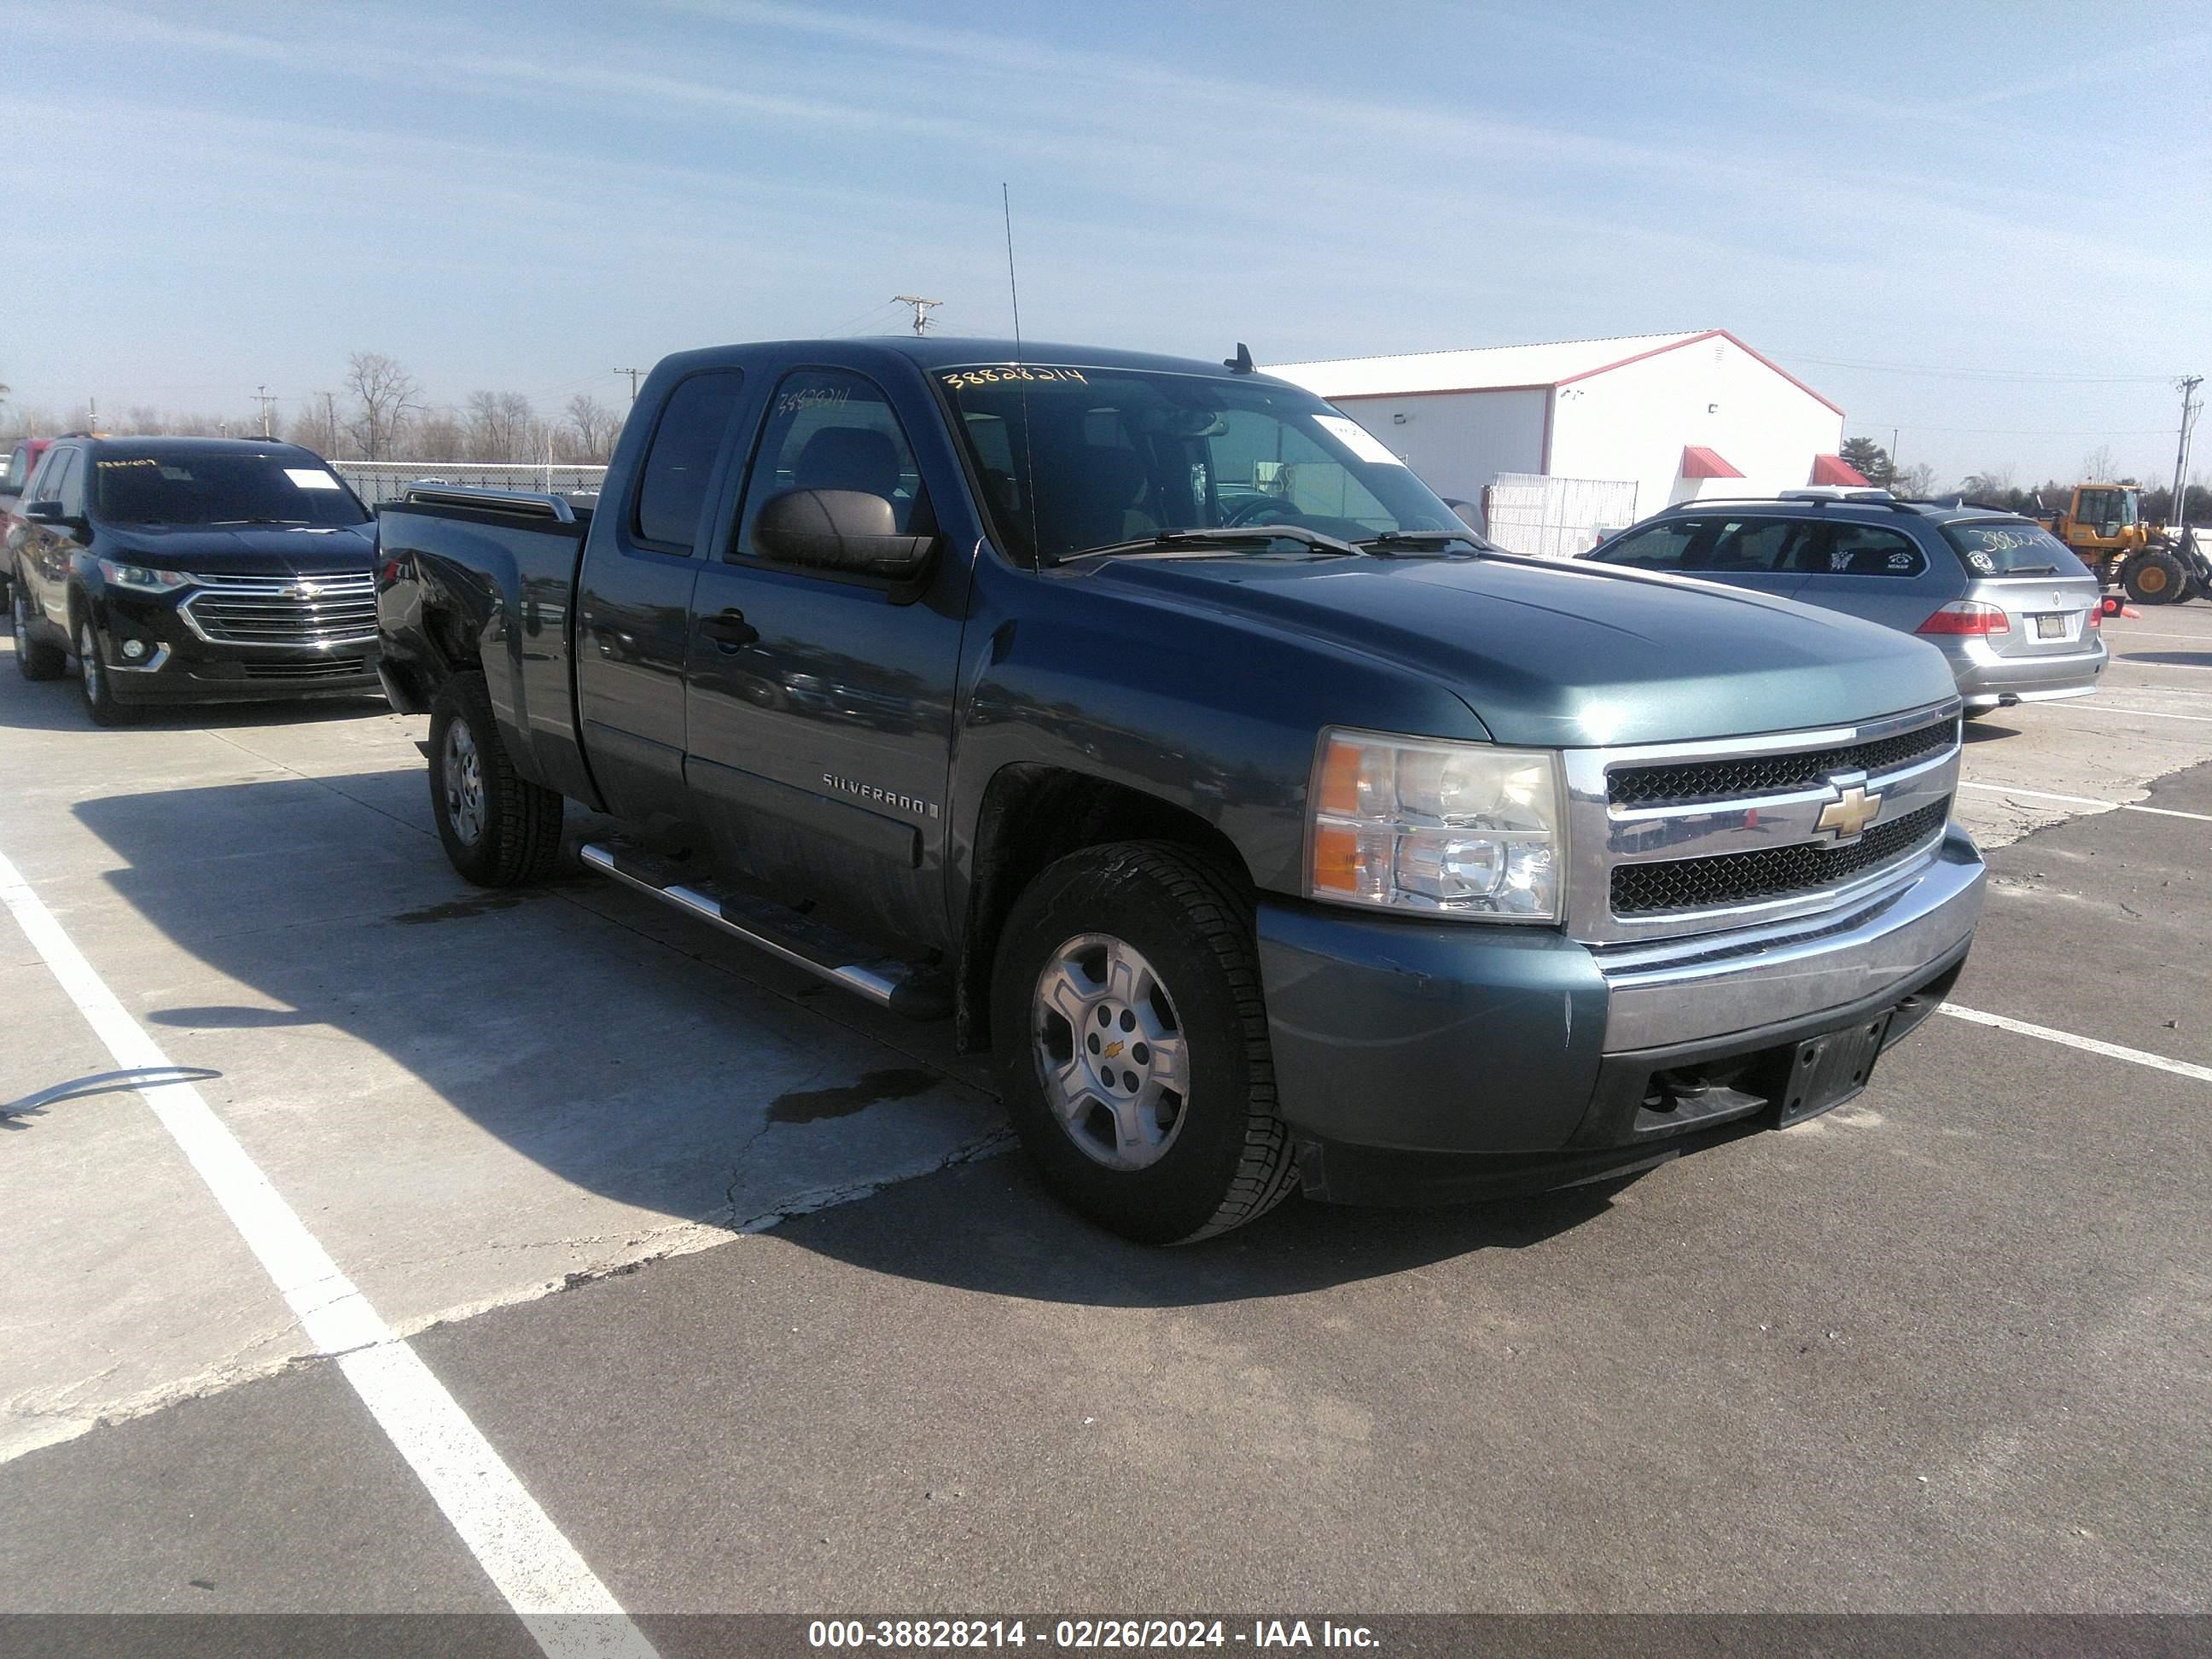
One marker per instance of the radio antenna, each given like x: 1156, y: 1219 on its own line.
x: 1028, y: 444
x: 1013, y: 288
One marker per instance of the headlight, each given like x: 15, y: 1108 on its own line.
x: 141, y: 577
x: 1443, y: 828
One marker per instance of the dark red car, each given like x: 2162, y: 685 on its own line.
x: 21, y: 463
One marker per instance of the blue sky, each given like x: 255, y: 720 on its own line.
x: 525, y: 197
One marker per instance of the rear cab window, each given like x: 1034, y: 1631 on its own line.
x: 2011, y: 547
x: 679, y: 461
x: 19, y: 471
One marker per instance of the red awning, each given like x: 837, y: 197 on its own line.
x: 1835, y: 469
x: 1698, y: 462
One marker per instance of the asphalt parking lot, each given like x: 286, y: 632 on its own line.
x: 737, y: 1279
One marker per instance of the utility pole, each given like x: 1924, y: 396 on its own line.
x: 261, y: 395
x: 633, y: 374
x: 2191, y: 407
x: 921, y: 310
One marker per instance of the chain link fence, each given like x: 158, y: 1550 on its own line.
x: 386, y: 481
x: 1555, y: 518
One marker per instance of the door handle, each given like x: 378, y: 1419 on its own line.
x: 729, y: 630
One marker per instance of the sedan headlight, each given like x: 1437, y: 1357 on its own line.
x: 142, y: 578
x: 1439, y: 828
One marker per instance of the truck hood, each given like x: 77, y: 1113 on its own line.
x: 1574, y: 655
x: 248, y: 550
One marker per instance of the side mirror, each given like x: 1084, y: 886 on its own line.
x: 50, y: 513
x: 846, y: 530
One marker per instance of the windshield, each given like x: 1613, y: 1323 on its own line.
x: 2012, y: 546
x: 1073, y: 458
x: 228, y: 489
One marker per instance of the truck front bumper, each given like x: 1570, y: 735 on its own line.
x: 1429, y: 1061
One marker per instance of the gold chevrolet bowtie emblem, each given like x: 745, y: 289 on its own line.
x: 1112, y: 1049
x: 1849, y: 813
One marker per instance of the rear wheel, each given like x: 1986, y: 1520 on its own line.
x: 92, y: 679
x: 37, y: 659
x: 499, y: 828
x: 1132, y: 1044
x: 2155, y: 577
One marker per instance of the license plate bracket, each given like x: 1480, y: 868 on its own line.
x: 2050, y: 625
x: 1827, y: 1070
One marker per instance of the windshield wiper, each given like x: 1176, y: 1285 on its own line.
x: 217, y: 524
x: 1390, y: 539
x: 1175, y: 541
x: 2032, y: 570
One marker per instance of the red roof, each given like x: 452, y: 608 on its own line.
x: 1835, y: 469
x: 1698, y: 462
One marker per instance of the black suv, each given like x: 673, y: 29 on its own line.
x: 192, y: 570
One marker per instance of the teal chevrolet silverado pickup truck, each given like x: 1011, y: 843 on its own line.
x: 1149, y: 720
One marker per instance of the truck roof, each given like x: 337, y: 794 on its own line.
x: 946, y: 351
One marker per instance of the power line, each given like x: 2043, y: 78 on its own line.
x: 262, y: 396
x: 852, y: 323
x: 2002, y: 374
x: 633, y: 374
x: 2022, y: 431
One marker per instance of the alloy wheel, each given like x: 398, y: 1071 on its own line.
x: 1110, y: 1051
x: 464, y: 779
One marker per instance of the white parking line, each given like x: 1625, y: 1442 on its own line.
x: 2084, y: 800
x: 2090, y: 1045
x: 2146, y: 633
x: 557, y: 1596
x: 2097, y: 706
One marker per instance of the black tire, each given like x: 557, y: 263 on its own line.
x: 2155, y: 577
x: 499, y: 828
x: 36, y: 658
x: 1227, y: 1158
x: 93, y: 681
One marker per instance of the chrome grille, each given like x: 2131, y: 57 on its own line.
x: 284, y: 610
x: 1761, y: 774
x: 1671, y: 840
x: 1743, y: 878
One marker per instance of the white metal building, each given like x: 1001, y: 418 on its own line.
x: 1578, y: 436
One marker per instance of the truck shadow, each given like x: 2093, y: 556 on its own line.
x: 56, y: 706
x: 2167, y: 658
x: 633, y: 1056
x: 992, y: 1228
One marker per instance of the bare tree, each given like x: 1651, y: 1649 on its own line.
x: 2097, y: 465
x: 1914, y: 480
x: 1991, y: 483
x: 595, y: 427
x: 500, y: 426
x: 316, y: 426
x: 381, y: 389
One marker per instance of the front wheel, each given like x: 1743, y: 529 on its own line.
x: 499, y: 828
x: 92, y: 679
x: 2156, y: 578
x: 36, y: 658
x: 1132, y: 1044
